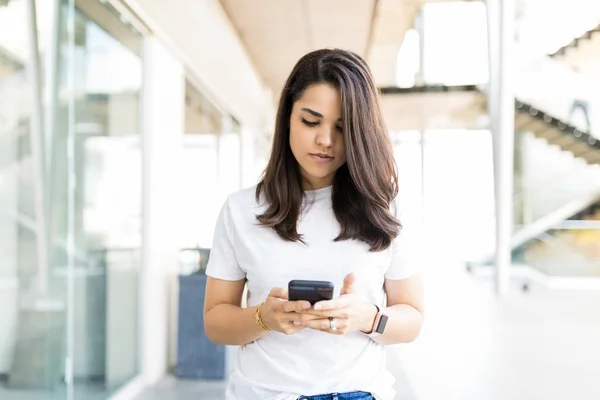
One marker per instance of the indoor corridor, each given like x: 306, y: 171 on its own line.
x: 126, y: 124
x: 476, y: 346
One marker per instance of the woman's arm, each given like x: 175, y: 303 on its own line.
x: 404, y: 310
x: 225, y: 321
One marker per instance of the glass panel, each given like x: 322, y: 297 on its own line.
x: 106, y: 199
x: 32, y: 317
x: 100, y: 216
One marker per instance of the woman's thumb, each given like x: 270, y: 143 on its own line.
x: 349, y: 283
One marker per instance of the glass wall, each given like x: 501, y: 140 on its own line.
x: 211, y: 166
x: 70, y: 189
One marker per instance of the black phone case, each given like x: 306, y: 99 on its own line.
x: 311, y: 291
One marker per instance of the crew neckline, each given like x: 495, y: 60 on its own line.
x: 318, y: 194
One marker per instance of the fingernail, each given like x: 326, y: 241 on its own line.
x: 306, y: 306
x: 317, y: 307
x: 297, y: 323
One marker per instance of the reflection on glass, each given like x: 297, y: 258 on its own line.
x: 15, y: 160
x: 107, y: 206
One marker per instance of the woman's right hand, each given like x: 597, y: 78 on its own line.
x: 281, y: 315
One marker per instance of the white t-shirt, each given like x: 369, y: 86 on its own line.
x: 310, y: 362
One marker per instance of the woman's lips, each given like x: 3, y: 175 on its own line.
x: 322, y: 158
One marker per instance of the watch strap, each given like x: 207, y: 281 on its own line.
x: 379, y: 323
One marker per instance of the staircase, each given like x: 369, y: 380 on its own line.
x: 582, y: 53
x: 565, y: 160
x: 567, y: 252
x: 557, y: 132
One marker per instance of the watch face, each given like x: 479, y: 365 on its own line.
x: 382, y: 323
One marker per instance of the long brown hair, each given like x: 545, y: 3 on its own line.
x: 365, y: 186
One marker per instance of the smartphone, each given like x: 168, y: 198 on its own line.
x: 311, y: 291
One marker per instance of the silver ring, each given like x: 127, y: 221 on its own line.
x: 332, y: 324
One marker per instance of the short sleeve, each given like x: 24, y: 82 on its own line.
x: 222, y: 263
x: 407, y: 251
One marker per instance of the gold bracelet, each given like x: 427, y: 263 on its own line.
x: 259, y: 320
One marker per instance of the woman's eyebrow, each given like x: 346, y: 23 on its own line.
x: 316, y: 114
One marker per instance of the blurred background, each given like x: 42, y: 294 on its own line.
x: 124, y: 124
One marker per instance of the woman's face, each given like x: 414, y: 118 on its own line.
x: 316, y: 135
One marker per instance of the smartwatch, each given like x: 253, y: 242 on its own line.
x: 378, y: 324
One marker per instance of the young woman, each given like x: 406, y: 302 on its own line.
x: 324, y: 210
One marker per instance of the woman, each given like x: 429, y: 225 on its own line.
x: 324, y: 210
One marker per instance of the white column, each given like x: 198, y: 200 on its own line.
x: 163, y: 126
x: 420, y: 25
x: 37, y: 149
x: 501, y: 22
x: 51, y: 83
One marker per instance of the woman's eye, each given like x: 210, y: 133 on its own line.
x: 339, y: 128
x: 309, y: 123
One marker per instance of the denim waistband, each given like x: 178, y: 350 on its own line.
x: 340, y: 396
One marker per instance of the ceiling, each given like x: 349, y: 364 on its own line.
x: 277, y: 33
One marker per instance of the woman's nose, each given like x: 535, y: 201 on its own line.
x: 325, y: 137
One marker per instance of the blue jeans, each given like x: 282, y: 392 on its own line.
x: 340, y: 396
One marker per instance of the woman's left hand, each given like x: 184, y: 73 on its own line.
x: 348, y: 313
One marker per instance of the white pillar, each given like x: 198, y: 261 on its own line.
x: 163, y: 108
x: 37, y: 149
x: 501, y: 30
x: 420, y: 26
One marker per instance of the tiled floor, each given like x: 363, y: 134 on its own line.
x: 474, y: 346
x: 172, y: 389
x: 84, y: 391
x: 537, y: 345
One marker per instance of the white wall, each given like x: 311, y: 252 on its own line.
x: 206, y: 41
x: 164, y: 107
